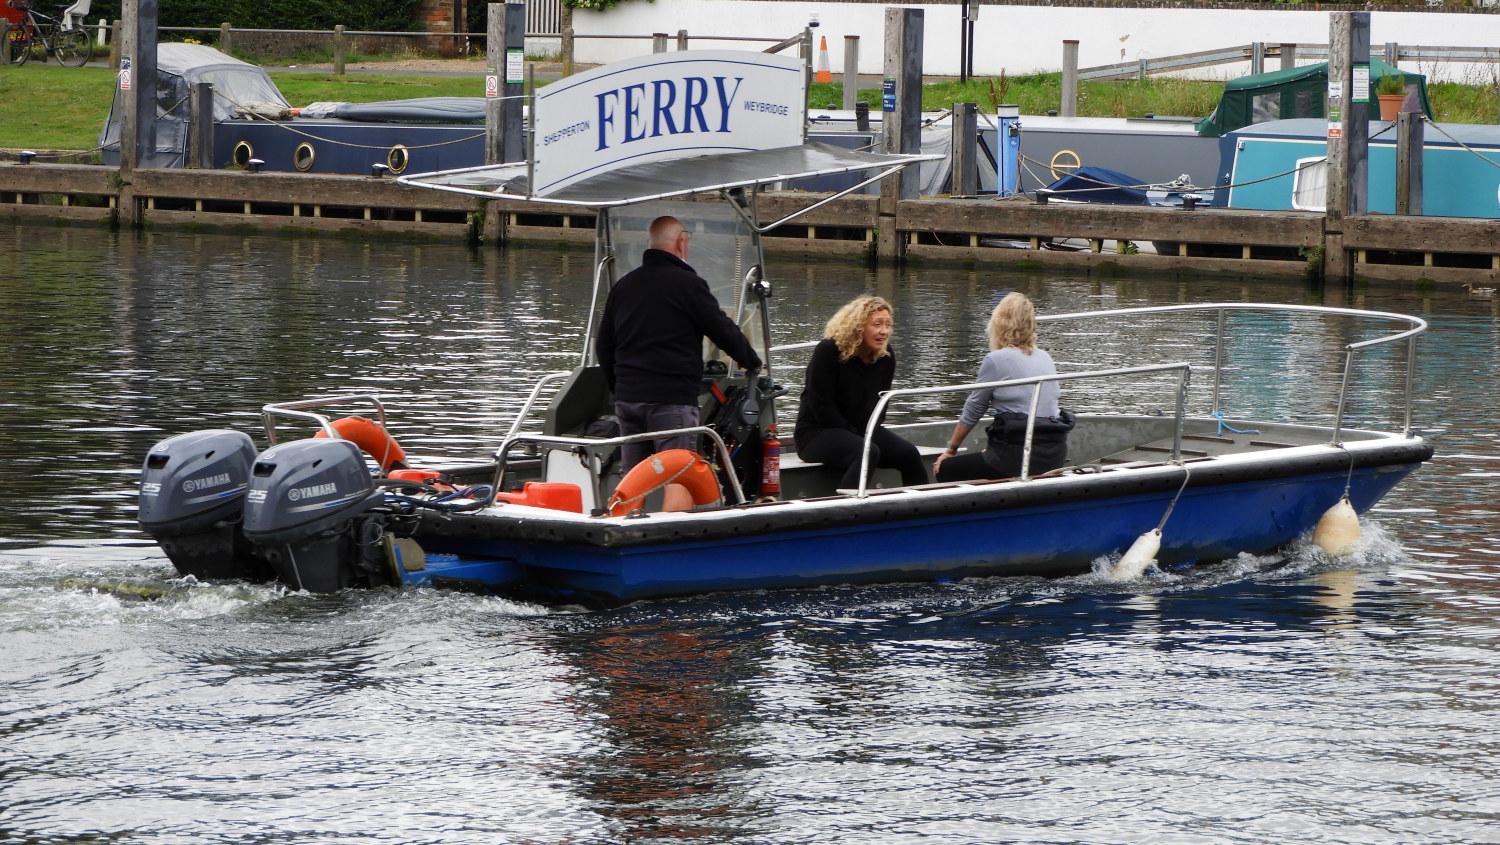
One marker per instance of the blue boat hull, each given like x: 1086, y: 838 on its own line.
x: 1048, y: 529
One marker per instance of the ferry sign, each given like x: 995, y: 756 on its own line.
x: 664, y: 106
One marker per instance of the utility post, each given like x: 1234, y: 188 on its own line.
x: 901, y: 103
x: 1348, y: 136
x: 137, y: 81
x: 505, y: 49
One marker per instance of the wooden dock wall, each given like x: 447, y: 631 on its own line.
x: 998, y: 233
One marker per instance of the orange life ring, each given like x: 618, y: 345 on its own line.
x: 673, y: 466
x: 370, y: 437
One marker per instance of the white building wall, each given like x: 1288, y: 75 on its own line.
x: 1023, y: 39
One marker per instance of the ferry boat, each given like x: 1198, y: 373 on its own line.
x: 549, y: 515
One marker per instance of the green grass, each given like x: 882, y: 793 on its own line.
x: 46, y: 107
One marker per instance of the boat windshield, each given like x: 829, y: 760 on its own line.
x: 722, y: 249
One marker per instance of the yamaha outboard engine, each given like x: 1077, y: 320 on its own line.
x: 192, y: 494
x: 314, y: 513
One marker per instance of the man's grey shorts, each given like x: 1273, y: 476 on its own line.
x: 641, y: 417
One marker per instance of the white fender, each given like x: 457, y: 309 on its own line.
x: 1141, y: 554
x: 1338, y: 529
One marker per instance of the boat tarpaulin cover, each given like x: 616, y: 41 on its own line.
x: 418, y: 110
x: 662, y: 179
x: 236, y: 85
x: 1100, y: 184
x: 1293, y: 93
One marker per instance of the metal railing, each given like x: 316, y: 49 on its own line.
x: 1415, y: 326
x: 296, y: 410
x: 1392, y: 52
x: 591, y: 444
x: 1184, y: 373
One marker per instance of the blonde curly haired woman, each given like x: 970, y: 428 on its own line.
x: 1013, y: 355
x: 848, y: 370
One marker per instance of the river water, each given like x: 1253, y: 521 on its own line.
x: 1260, y: 700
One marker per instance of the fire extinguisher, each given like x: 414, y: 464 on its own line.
x: 770, y: 465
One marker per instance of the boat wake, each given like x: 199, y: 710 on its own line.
x: 1374, y: 547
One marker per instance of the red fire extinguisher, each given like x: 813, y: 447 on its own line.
x: 770, y: 465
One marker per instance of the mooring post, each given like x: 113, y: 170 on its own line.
x: 565, y: 20
x: 114, y: 44
x: 1410, y: 129
x: 1348, y: 135
x: 201, y: 126
x: 226, y: 39
x: 1288, y: 56
x: 965, y: 150
x: 505, y: 50
x: 851, y: 71
x: 682, y: 39
x: 1069, y: 105
x: 901, y: 132
x: 340, y: 50
x: 658, y: 42
x: 137, y: 80
x: 1257, y: 57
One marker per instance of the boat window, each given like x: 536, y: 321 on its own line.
x: 722, y: 250
x: 1310, y: 184
x: 1264, y: 107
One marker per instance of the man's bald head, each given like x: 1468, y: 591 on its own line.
x: 669, y: 235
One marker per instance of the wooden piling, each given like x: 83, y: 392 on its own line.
x: 1349, y: 129
x: 1409, y: 138
x: 851, y: 71
x: 1069, y: 105
x: 200, y: 151
x: 965, y: 147
x: 901, y: 127
x: 340, y: 50
x: 505, y: 47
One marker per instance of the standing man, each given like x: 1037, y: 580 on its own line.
x: 651, y: 342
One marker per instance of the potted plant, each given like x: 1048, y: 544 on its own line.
x: 1390, y: 90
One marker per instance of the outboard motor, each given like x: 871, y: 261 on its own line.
x: 192, y: 495
x: 314, y: 513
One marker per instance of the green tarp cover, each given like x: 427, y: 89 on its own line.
x: 1294, y: 92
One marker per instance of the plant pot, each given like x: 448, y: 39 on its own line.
x: 1390, y: 105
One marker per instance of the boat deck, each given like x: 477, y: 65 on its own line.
x: 1197, y: 446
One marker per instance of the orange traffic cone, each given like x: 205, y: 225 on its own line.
x: 823, y: 74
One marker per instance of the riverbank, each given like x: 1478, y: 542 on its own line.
x: 1012, y: 234
x: 55, y: 108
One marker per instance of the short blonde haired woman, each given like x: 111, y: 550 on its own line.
x: 849, y: 369
x: 1013, y: 355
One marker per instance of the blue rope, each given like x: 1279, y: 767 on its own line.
x: 1219, y: 415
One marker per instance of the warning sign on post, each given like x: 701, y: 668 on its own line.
x: 124, y: 73
x: 492, y: 85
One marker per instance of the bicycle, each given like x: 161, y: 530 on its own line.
x: 37, y: 32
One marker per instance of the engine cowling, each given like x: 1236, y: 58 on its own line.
x: 193, y: 489
x: 312, y: 510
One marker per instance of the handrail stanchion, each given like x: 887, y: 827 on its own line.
x: 1338, y: 417
x: 1411, y: 366
x: 588, y: 329
x: 1183, y: 378
x: 1218, y: 358
x: 1036, y: 395
x: 536, y: 391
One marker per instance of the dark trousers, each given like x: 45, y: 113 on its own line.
x: 1004, y: 448
x: 970, y: 466
x: 840, y: 449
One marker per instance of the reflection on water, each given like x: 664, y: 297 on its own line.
x: 1253, y: 700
